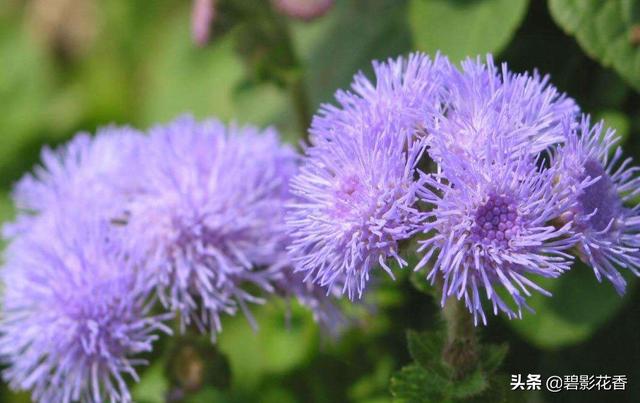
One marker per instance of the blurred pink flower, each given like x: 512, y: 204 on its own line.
x: 302, y: 9
x: 202, y: 16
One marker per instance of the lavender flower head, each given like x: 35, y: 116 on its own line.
x: 75, y: 310
x: 210, y: 215
x: 491, y: 227
x: 94, y: 169
x: 483, y: 101
x: 609, y: 232
x: 356, y: 191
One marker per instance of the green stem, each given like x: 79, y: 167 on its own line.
x: 461, y: 348
x: 295, y: 81
x: 301, y: 104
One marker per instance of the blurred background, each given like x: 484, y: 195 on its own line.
x: 74, y: 65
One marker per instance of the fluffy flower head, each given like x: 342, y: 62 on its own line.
x: 96, y: 169
x: 210, y: 215
x: 491, y: 226
x: 482, y: 101
x: 75, y: 311
x: 356, y: 189
x: 608, y: 231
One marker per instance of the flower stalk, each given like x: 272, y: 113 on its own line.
x: 460, y: 350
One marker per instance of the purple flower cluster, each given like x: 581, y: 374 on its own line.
x: 188, y: 217
x: 492, y: 178
x: 356, y: 192
x: 494, y: 174
x: 608, y: 231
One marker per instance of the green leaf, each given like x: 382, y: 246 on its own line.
x: 606, y: 30
x: 579, y: 306
x: 616, y: 120
x: 334, y: 48
x: 26, y: 87
x: 472, y: 385
x: 182, y: 78
x: 153, y: 385
x: 414, y: 384
x: 425, y: 347
x: 212, y: 81
x: 461, y: 28
x: 492, y: 356
x: 275, y: 348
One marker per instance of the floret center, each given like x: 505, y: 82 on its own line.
x: 496, y: 221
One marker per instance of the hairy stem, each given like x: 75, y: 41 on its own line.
x: 461, y: 347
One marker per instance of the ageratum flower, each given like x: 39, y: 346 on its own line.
x: 482, y: 102
x: 75, y: 310
x: 356, y: 188
x: 95, y: 169
x: 609, y: 232
x: 210, y: 215
x: 491, y: 226
x: 406, y: 93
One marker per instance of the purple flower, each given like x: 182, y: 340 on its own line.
x: 75, y: 309
x: 483, y: 102
x: 491, y: 226
x: 210, y: 215
x: 94, y: 169
x: 609, y: 232
x: 406, y: 93
x: 356, y: 190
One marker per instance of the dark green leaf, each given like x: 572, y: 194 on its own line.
x: 472, y: 385
x: 492, y: 356
x: 461, y: 28
x: 425, y: 347
x: 345, y: 41
x: 609, y: 31
x: 413, y: 384
x: 578, y: 307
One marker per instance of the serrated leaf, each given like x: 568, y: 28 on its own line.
x: 414, y: 384
x: 472, y: 385
x: 497, y: 391
x: 460, y: 28
x: 607, y: 30
x: 492, y: 356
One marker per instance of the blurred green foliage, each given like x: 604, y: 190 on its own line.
x: 133, y: 62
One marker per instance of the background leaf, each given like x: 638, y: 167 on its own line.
x: 578, y: 307
x: 355, y: 33
x: 461, y: 28
x: 608, y: 31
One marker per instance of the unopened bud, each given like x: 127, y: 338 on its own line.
x: 305, y: 10
x: 202, y: 17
